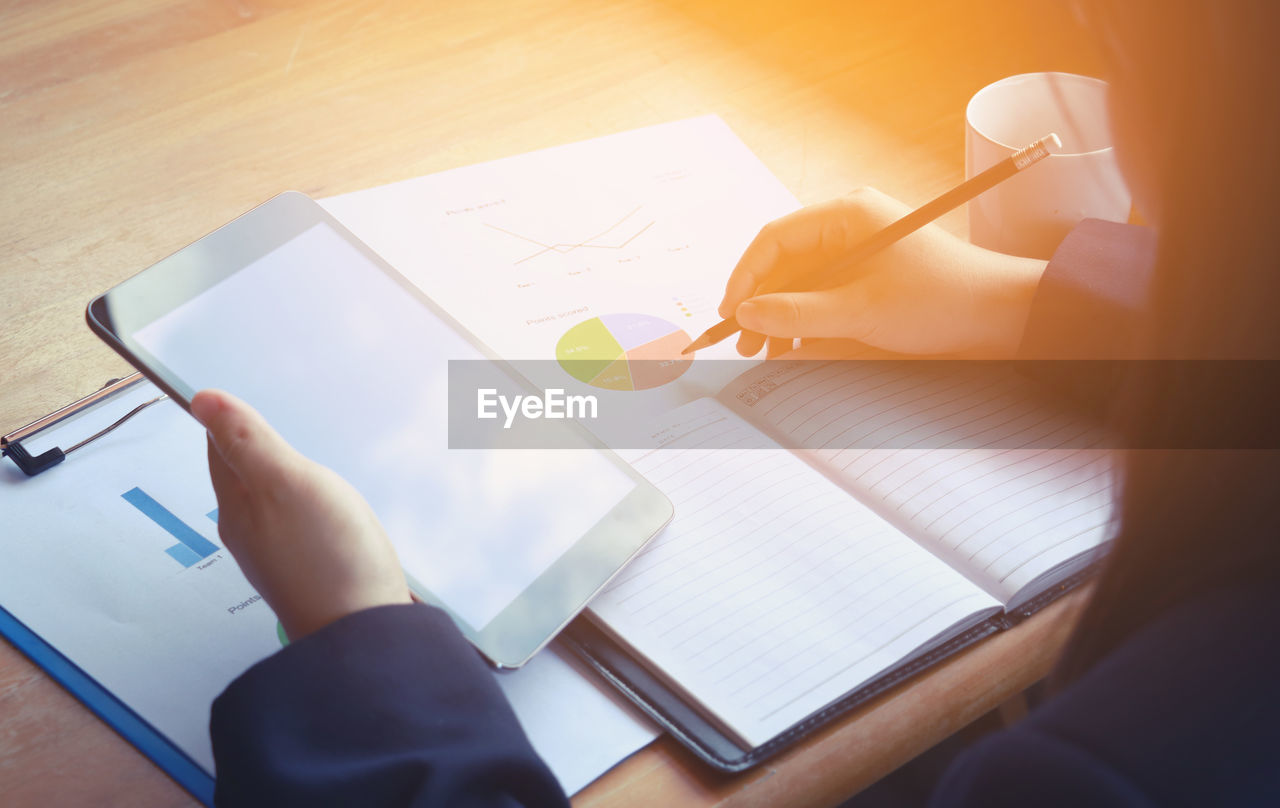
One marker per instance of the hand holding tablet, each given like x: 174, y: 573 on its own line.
x: 276, y: 507
x: 347, y: 360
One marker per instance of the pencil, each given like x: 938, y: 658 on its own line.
x: 903, y: 227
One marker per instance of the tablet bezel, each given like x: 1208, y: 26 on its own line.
x: 553, y: 598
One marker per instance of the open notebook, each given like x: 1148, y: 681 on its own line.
x: 793, y: 581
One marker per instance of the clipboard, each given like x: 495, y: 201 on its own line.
x: 11, y: 445
x: 87, y: 690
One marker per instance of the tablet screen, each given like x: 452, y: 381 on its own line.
x: 352, y: 370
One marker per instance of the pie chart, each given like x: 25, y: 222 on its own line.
x: 624, y: 351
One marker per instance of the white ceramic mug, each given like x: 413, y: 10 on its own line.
x: 1032, y: 212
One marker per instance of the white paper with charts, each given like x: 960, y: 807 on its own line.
x: 602, y: 252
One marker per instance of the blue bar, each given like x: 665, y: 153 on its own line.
x: 213, y: 514
x: 177, y: 528
x: 184, y: 555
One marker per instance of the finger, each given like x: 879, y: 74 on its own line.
x: 750, y: 343
x: 777, y: 346
x: 839, y: 312
x: 233, y: 498
x: 826, y: 229
x: 251, y: 448
x: 754, y: 265
x: 225, y: 482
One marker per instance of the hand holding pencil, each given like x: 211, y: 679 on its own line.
x: 866, y: 267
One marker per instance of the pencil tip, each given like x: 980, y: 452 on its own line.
x: 697, y: 345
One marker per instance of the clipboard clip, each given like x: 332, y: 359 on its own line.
x: 31, y: 465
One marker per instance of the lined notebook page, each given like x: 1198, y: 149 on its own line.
x: 772, y: 592
x: 1004, y: 516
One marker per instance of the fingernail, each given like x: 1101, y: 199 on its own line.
x: 748, y: 315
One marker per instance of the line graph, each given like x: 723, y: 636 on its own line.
x: 589, y: 243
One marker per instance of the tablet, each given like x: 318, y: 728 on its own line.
x: 348, y: 360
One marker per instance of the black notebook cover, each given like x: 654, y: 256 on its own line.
x: 701, y: 736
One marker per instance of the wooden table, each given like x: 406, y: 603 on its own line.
x: 129, y: 128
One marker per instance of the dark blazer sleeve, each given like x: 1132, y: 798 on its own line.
x: 1092, y: 295
x: 389, y: 706
x: 1182, y: 713
x: 1088, y: 307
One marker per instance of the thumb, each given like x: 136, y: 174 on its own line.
x: 248, y: 444
x: 840, y: 312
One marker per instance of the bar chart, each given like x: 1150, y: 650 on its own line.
x: 192, y: 547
